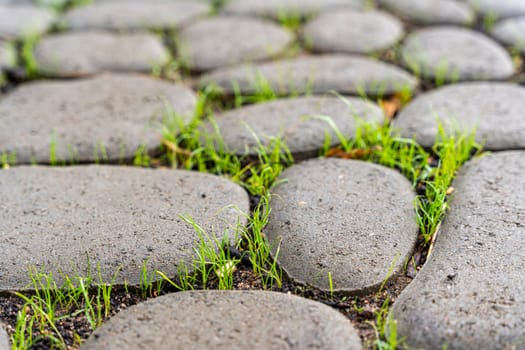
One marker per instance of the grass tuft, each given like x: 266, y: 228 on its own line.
x: 381, y: 144
x: 452, y: 150
x: 187, y: 145
x: 262, y: 255
x: 28, y: 61
x: 49, y: 304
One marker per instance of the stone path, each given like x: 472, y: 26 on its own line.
x: 91, y: 93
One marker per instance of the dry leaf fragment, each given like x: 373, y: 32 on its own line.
x: 392, y: 105
x: 358, y: 153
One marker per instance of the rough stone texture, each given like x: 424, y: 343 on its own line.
x: 4, y: 339
x: 498, y: 8
x: 277, y: 8
x: 350, y: 218
x: 316, y: 74
x: 83, y: 53
x: 19, y: 20
x: 7, y: 55
x: 370, y: 31
x: 431, y: 11
x: 494, y: 110
x: 227, y: 320
x: 112, y: 112
x: 453, y: 53
x: 294, y: 120
x: 469, y: 294
x: 511, y: 32
x: 223, y: 41
x: 120, y: 15
x: 56, y: 219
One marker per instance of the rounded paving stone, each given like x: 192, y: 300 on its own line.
x: 83, y: 53
x: 469, y: 294
x: 224, y: 41
x: 120, y: 15
x: 296, y: 120
x: 353, y: 219
x: 317, y: 75
x: 511, y: 32
x: 493, y: 110
x: 71, y: 219
x: 369, y: 31
x: 227, y: 320
x: 21, y: 20
x: 453, y: 53
x: 279, y: 8
x: 498, y: 8
x: 85, y: 120
x: 431, y: 11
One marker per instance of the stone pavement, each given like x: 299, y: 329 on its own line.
x: 343, y: 225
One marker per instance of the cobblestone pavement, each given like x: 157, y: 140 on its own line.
x: 96, y: 88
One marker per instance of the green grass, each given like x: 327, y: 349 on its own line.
x: 382, y: 144
x: 442, y: 73
x: 49, y: 304
x: 28, y: 61
x: 379, y: 143
x: 62, y: 5
x: 262, y: 92
x: 489, y: 21
x: 262, y: 253
x: 452, y: 151
x: 3, y: 80
x: 212, y: 257
x: 188, y: 146
x: 7, y: 159
x: 217, y: 5
x: 142, y: 158
x: 261, y: 89
x: 213, y: 262
x: 149, y: 285
x: 330, y: 285
x: 290, y: 20
x: 385, y: 327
